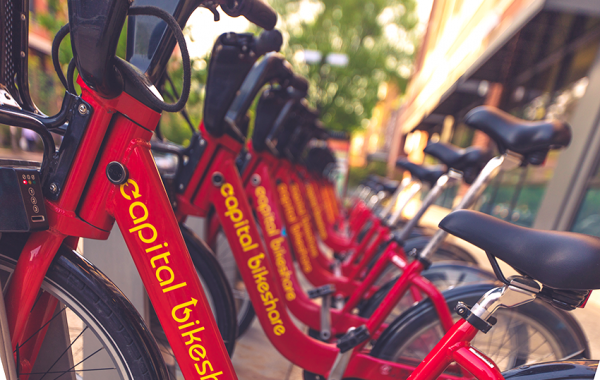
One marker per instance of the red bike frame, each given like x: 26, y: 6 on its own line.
x: 217, y: 183
x: 120, y: 130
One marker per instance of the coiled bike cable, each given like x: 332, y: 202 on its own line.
x: 137, y: 78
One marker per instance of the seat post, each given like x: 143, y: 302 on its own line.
x: 505, y: 161
x: 388, y: 208
x: 520, y: 290
x: 442, y: 184
x: 403, y: 200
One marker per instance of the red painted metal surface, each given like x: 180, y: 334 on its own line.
x: 454, y: 346
x: 120, y: 130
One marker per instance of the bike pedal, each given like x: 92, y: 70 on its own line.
x: 353, y: 338
x: 321, y: 291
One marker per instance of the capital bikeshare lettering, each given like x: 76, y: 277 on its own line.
x: 300, y: 206
x: 159, y: 260
x: 294, y: 227
x: 316, y: 211
x: 268, y: 218
x: 259, y: 272
x: 329, y: 212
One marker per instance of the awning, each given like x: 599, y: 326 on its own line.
x: 513, y: 39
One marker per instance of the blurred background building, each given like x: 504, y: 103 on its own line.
x: 533, y: 58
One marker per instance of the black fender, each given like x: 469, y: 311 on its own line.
x: 568, y: 369
x: 415, y: 311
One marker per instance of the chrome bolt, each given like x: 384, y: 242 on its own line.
x: 53, y: 188
x: 217, y: 179
x: 23, y: 18
x: 202, y: 142
x: 255, y: 179
x: 82, y: 109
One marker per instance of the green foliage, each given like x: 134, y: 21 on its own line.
x: 357, y: 174
x: 373, y: 34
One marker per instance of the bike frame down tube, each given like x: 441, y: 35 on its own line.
x: 260, y: 189
x: 303, y: 240
x: 122, y: 128
x: 220, y: 186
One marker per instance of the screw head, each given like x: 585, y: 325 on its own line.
x: 116, y: 173
x: 255, y: 180
x: 202, y: 142
x: 181, y: 187
x: 217, y: 179
x: 23, y: 18
x: 22, y: 54
x: 53, y: 188
x: 82, y: 109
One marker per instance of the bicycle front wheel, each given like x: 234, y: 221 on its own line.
x: 94, y: 333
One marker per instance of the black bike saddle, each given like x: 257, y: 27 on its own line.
x: 470, y: 161
x: 429, y: 174
x: 382, y: 183
x: 560, y: 260
x: 530, y: 139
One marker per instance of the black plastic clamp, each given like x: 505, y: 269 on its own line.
x: 321, y: 291
x: 464, y: 312
x: 353, y: 338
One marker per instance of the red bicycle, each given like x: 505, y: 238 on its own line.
x: 104, y: 172
x: 258, y: 183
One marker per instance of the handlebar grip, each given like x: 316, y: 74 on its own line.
x: 268, y: 41
x: 299, y: 83
x: 256, y: 11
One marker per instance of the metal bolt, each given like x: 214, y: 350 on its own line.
x: 53, y: 188
x: 116, y: 173
x: 23, y: 18
x: 255, y: 179
x: 181, y: 186
x: 217, y: 179
x: 202, y: 142
x: 22, y: 54
x: 82, y: 109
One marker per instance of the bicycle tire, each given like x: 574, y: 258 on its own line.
x: 224, y: 255
x: 92, y: 297
x: 444, y: 275
x: 567, y: 335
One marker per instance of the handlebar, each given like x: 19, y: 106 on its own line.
x: 272, y: 68
x: 256, y: 11
x: 233, y: 56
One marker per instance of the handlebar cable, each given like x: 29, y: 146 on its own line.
x: 183, y: 111
x: 140, y: 81
x: 60, y: 35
